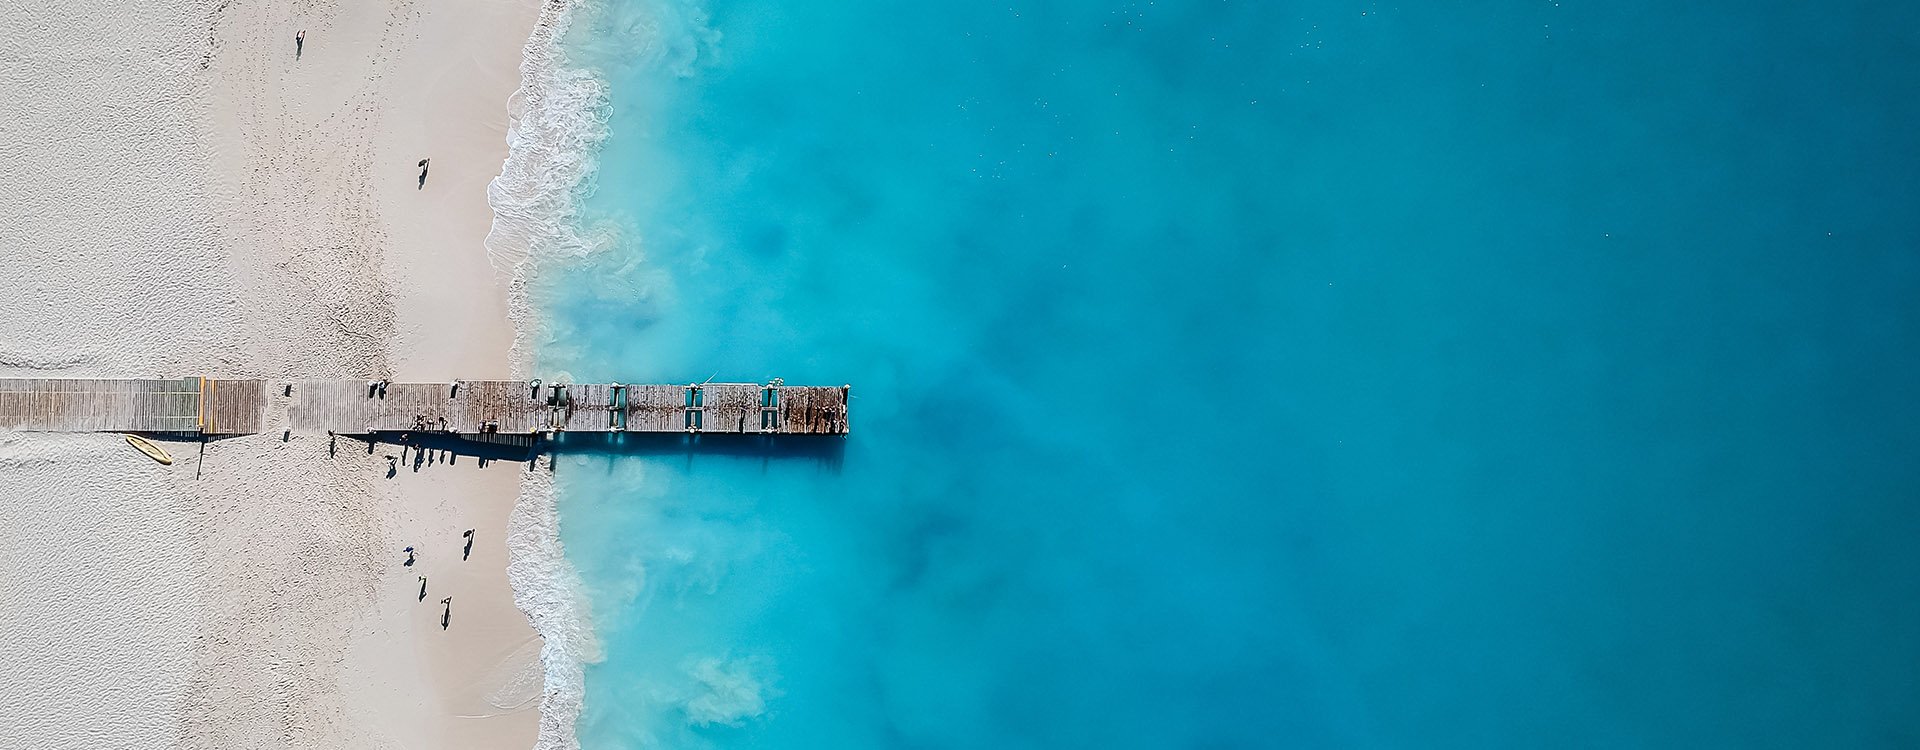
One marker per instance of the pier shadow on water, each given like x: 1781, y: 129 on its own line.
x: 825, y: 450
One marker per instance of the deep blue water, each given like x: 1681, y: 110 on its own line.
x: 1260, y: 374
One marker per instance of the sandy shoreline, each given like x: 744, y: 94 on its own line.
x: 188, y: 198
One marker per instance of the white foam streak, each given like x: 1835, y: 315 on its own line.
x: 547, y: 589
x: 557, y: 120
x: 556, y: 123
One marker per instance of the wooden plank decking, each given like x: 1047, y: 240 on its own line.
x: 359, y: 407
x: 519, y: 407
x: 202, y: 405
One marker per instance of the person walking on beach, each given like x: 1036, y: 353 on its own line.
x: 468, y: 550
x: 423, y: 173
x: 299, y: 41
x: 423, y: 589
x: 409, y: 562
x: 446, y: 614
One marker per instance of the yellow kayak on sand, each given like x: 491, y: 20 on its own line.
x: 154, y: 452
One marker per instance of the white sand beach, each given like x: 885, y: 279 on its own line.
x: 185, y: 197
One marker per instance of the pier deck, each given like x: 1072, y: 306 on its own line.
x: 187, y: 405
x: 359, y: 407
x: 519, y: 407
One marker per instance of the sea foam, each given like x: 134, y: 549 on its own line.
x: 557, y: 120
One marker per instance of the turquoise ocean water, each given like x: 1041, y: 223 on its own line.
x: 1258, y: 374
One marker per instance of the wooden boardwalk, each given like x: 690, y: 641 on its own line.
x: 359, y: 407
x: 520, y: 407
x: 185, y: 405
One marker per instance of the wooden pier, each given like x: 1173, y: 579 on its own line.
x: 464, y: 408
x: 186, y: 405
x: 478, y: 407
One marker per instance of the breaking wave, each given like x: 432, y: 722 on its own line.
x: 556, y: 122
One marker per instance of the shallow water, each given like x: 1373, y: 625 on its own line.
x: 1237, y: 374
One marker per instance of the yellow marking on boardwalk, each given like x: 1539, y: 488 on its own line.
x: 106, y: 405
